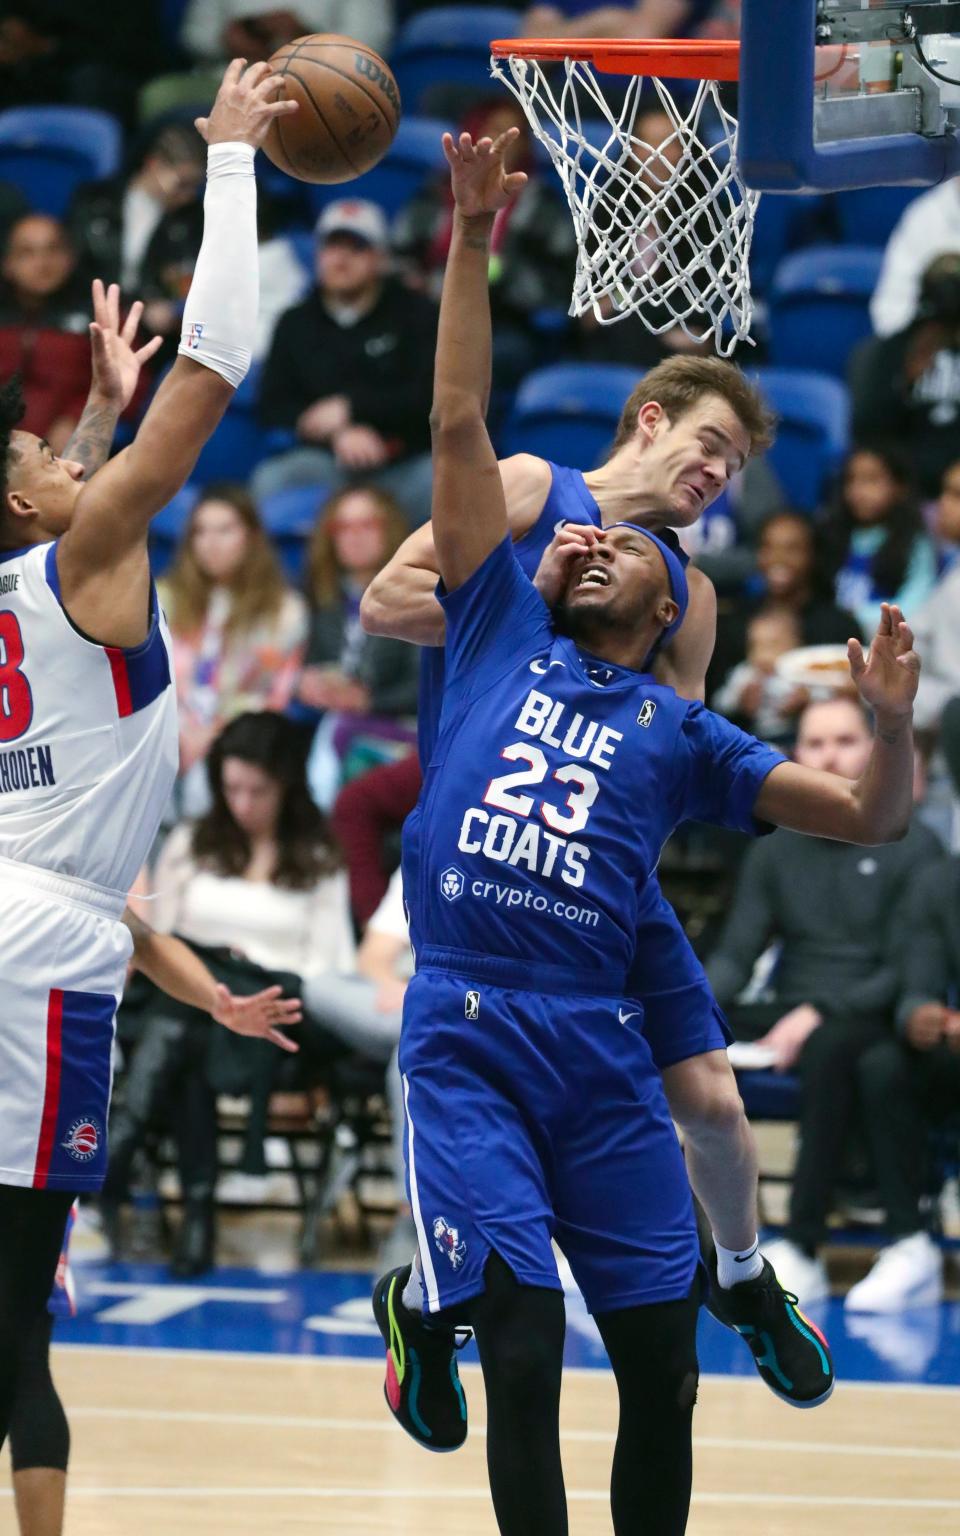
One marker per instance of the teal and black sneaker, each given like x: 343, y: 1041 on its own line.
x: 789, y: 1351
x: 422, y: 1386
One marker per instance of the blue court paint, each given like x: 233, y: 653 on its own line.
x: 327, y: 1313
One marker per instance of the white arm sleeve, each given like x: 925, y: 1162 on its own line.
x: 220, y: 315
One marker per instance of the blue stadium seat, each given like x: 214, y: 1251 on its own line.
x: 867, y: 216
x: 289, y: 517
x: 166, y: 529
x: 813, y: 433
x: 48, y: 151
x: 781, y: 225
x: 820, y: 306
x: 568, y: 413
x: 414, y: 157
x: 449, y: 45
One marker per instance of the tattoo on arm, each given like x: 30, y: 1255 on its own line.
x: 90, y: 443
x: 890, y: 736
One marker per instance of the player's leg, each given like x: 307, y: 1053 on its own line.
x: 653, y: 1351
x: 39, y: 1438
x: 519, y: 1331
x: 720, y: 1151
x: 32, y: 1224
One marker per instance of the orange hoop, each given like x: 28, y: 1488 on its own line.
x: 666, y: 59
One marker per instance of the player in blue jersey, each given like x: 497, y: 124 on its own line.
x: 686, y: 428
x: 560, y: 767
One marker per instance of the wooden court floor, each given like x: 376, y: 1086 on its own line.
x: 195, y: 1444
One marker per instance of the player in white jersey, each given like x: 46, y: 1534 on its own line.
x: 88, y: 734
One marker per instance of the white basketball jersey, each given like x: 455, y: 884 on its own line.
x: 88, y: 733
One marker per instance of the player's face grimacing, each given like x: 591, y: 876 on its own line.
x: 688, y: 461
x: 41, y: 486
x: 621, y: 582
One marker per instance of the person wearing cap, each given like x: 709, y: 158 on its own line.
x: 349, y: 370
x: 533, y: 1106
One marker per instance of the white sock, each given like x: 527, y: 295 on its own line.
x: 412, y: 1297
x: 734, y: 1265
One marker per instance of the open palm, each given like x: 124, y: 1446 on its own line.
x: 887, y: 677
x: 116, y: 360
x: 480, y: 181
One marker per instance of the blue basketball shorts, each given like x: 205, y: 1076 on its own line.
x: 681, y: 1017
x: 533, y: 1116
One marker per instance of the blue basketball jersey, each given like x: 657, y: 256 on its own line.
x: 555, y: 780
x: 568, y: 501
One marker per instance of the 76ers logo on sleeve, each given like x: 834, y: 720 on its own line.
x: 447, y: 1240
x: 83, y: 1140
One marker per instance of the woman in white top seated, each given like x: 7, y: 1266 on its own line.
x: 259, y: 875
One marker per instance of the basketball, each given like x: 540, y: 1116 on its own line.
x: 349, y: 109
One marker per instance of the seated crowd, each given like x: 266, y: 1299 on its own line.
x: 298, y: 730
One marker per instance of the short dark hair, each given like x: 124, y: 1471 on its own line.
x: 12, y: 407
x: 680, y: 382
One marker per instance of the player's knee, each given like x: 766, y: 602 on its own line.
x: 715, y: 1111
x: 526, y: 1366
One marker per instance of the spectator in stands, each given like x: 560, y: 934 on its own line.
x: 350, y: 370
x: 345, y: 669
x: 215, y: 30
x: 258, y: 874
x: 909, y: 1084
x: 629, y: 18
x: 937, y: 622
x: 929, y: 227
x: 837, y: 912
x: 238, y: 630
x: 754, y: 694
x: 367, y: 816
x: 44, y: 314
x: 873, y: 537
x: 80, y: 55
x: 906, y: 385
x: 365, y: 1011
x: 792, y: 578
x: 533, y: 249
x: 133, y: 228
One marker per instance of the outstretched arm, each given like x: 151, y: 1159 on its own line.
x: 875, y: 808
x: 173, y: 967
x: 469, y: 508
x: 102, y: 559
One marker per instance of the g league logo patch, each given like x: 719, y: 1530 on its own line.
x: 471, y: 1006
x: 447, y: 1240
x: 195, y: 334
x: 83, y: 1140
x: 647, y: 712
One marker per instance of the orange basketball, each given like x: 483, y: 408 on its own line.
x: 349, y: 109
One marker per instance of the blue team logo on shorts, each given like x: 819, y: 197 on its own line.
x: 447, y: 1240
x: 83, y: 1140
x: 451, y: 883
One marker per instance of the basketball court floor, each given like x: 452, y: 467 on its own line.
x: 251, y: 1402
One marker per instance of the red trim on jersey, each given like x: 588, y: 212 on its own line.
x: 121, y: 679
x: 51, y: 1094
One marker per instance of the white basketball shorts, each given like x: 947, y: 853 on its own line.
x: 63, y: 960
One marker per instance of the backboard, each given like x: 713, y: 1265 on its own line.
x: 836, y: 94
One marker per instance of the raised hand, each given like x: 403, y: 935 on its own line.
x: 477, y: 174
x: 247, y: 103
x: 116, y: 361
x: 887, y: 678
x: 572, y: 543
x: 262, y: 1015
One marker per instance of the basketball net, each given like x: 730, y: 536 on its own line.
x: 663, y: 230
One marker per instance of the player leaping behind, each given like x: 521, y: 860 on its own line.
x: 88, y: 728
x: 560, y: 769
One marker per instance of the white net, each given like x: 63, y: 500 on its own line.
x: 663, y: 229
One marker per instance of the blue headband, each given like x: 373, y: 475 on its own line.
x: 676, y: 576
